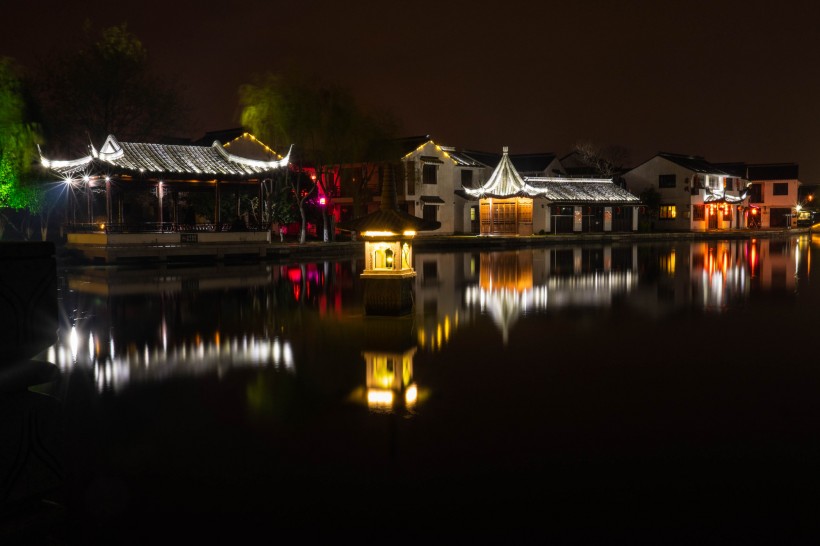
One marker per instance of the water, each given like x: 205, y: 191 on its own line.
x: 666, y: 392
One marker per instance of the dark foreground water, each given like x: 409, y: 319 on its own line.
x: 609, y: 394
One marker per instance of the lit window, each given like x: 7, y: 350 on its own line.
x: 668, y: 212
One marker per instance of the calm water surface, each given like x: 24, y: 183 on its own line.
x: 587, y: 392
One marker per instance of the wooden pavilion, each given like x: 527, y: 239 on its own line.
x: 133, y: 195
x: 513, y: 205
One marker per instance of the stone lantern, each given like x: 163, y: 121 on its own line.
x: 388, y: 269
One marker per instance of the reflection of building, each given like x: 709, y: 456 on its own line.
x: 516, y: 282
x: 713, y: 275
x: 115, y: 367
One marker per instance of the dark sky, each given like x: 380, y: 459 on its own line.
x: 730, y: 81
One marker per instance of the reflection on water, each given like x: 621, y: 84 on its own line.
x: 129, y: 325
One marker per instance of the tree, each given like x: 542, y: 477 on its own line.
x: 605, y: 161
x: 18, y: 138
x: 323, y: 122
x: 651, y: 199
x: 104, y: 86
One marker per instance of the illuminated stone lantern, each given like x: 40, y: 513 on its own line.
x: 388, y: 270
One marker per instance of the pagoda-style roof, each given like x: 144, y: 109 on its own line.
x: 165, y: 160
x: 504, y: 182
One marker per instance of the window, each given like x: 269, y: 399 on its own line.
x: 698, y: 212
x: 668, y: 212
x: 756, y: 193
x: 714, y: 182
x: 780, y: 188
x: 729, y: 183
x: 667, y: 180
x: 472, y: 214
x: 430, y: 212
x: 467, y: 178
x: 429, y: 174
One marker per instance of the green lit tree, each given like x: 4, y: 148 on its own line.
x: 18, y: 138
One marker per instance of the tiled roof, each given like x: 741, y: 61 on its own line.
x: 581, y: 191
x: 169, y: 160
x: 506, y: 182
x: 773, y: 171
x: 693, y: 163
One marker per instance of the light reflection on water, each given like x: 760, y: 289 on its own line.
x: 534, y: 388
x: 136, y: 325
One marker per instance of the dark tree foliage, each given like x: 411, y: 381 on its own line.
x: 323, y: 122
x: 105, y: 85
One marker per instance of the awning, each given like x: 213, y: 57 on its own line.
x: 432, y: 200
x: 431, y: 159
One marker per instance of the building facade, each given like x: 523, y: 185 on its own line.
x: 695, y: 195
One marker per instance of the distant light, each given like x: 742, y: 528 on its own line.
x: 409, y: 233
x: 322, y: 201
x: 378, y: 234
x: 85, y: 178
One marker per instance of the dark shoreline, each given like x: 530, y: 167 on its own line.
x: 277, y: 252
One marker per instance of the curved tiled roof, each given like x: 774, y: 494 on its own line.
x: 504, y: 182
x: 581, y: 191
x: 167, y: 160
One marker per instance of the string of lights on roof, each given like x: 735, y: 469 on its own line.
x: 257, y: 141
x: 438, y: 149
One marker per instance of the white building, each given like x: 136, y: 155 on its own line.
x: 695, y: 195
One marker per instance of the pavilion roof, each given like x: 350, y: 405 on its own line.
x: 165, y: 160
x: 504, y: 182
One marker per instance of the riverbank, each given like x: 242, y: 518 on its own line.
x: 316, y: 250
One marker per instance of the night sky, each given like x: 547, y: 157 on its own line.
x: 730, y: 81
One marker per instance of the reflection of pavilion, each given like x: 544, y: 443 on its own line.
x: 511, y: 283
x: 116, y: 367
